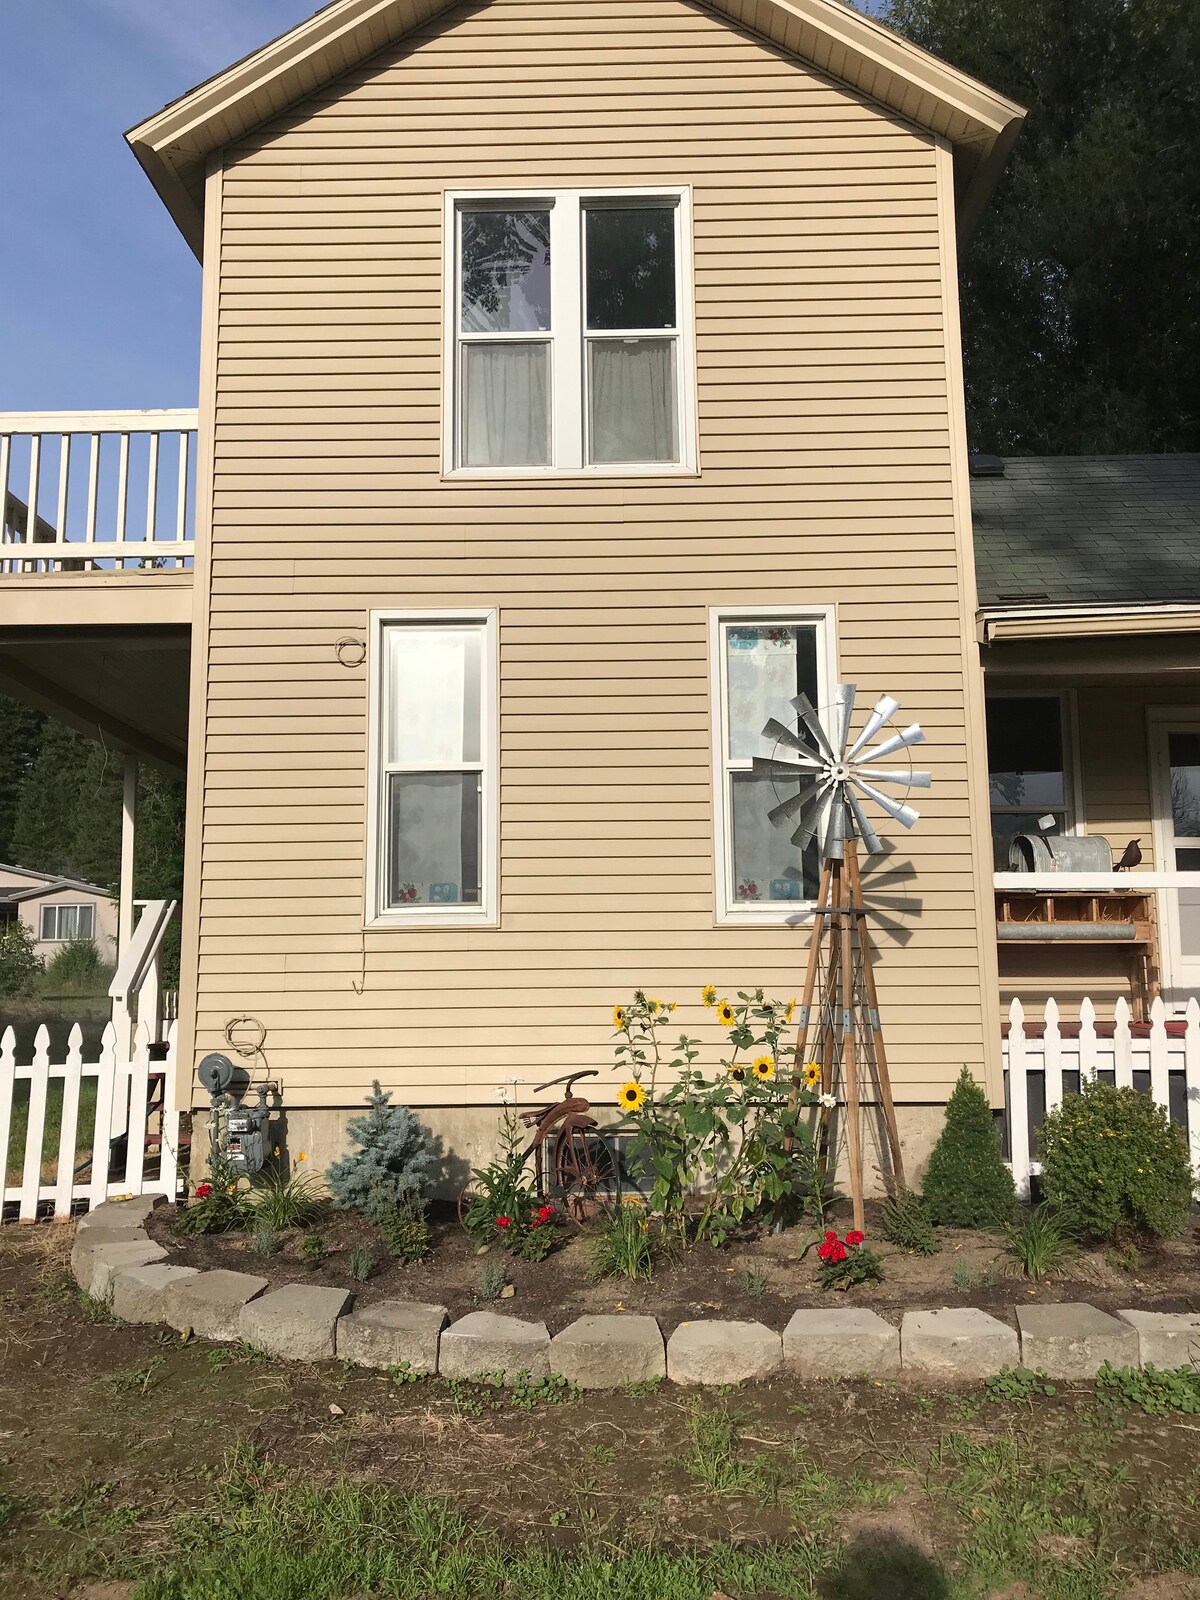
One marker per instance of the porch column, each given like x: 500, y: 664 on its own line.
x: 128, y: 838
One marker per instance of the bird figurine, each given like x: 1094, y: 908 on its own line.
x: 1131, y: 857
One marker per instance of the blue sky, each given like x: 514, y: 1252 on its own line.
x: 99, y: 295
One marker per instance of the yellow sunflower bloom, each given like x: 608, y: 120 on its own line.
x: 709, y: 995
x: 619, y: 1018
x: 738, y: 1074
x: 631, y: 1095
x: 654, y: 1007
x: 726, y: 1015
x: 791, y: 1006
x: 812, y: 1074
x: 764, y: 1068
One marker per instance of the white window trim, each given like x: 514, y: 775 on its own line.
x: 729, y: 912
x: 1073, y: 822
x: 74, y: 905
x: 487, y: 913
x: 568, y: 420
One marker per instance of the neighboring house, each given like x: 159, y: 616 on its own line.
x: 57, y: 910
x: 578, y: 381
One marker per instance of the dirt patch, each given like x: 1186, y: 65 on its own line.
x: 762, y: 1278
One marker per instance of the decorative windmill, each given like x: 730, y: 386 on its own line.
x: 832, y: 777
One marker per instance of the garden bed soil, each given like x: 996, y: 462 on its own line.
x: 758, y: 1279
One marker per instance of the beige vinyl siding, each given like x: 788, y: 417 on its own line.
x: 825, y: 479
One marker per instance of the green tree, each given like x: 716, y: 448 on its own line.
x: 20, y: 738
x: 1081, y: 285
x: 966, y: 1183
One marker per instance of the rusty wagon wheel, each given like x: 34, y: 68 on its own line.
x: 585, y: 1174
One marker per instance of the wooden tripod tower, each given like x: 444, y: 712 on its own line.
x: 840, y: 999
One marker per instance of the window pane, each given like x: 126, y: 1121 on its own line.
x: 48, y: 921
x: 1184, y: 752
x: 433, y: 696
x: 631, y: 397
x: 506, y: 405
x: 1025, y: 759
x: 433, y: 838
x: 766, y: 665
x: 87, y: 916
x: 505, y: 271
x: 630, y: 267
x: 762, y: 853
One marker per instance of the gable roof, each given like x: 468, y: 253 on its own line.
x: 1088, y: 530
x: 13, y: 894
x: 174, y: 145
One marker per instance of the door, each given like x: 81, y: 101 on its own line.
x: 1175, y: 754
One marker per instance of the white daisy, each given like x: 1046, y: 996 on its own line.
x: 829, y: 1101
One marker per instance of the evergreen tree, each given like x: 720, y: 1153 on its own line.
x: 967, y: 1184
x: 20, y: 738
x: 392, y: 1165
x: 1081, y: 284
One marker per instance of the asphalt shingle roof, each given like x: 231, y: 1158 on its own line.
x: 1066, y: 530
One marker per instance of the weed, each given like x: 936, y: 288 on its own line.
x: 1017, y: 1383
x: 264, y: 1236
x: 132, y: 1382
x: 623, y: 1245
x: 59, y: 1290
x: 754, y: 1283
x: 711, y: 1454
x: 218, y: 1358
x: 641, y: 1388
x: 312, y: 1249
x: 552, y: 1390
x: 905, y: 1224
x: 602, y: 1454
x: 468, y: 1396
x: 492, y: 1278
x: 403, y: 1373
x: 963, y: 1275
x: 361, y: 1263
x: 90, y: 1511
x: 1127, y: 1259
x: 1043, y: 1244
x: 1151, y: 1390
x: 12, y: 1508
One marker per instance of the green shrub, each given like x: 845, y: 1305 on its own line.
x: 312, y: 1249
x: 492, y: 1278
x: 77, y: 965
x: 361, y: 1263
x: 967, y: 1184
x: 264, y: 1236
x: 405, y: 1231
x: 1044, y: 1244
x: 19, y: 964
x: 284, y: 1202
x: 393, y: 1163
x: 905, y: 1223
x: 1112, y: 1161
x: 623, y: 1245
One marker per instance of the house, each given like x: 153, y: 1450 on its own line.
x: 578, y: 382
x: 57, y: 910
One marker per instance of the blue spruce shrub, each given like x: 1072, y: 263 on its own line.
x: 392, y: 1165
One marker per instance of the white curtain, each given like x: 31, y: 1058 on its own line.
x: 506, y: 409
x: 433, y: 838
x: 633, y: 400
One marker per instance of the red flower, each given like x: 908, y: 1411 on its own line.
x: 831, y: 1234
x: 534, y: 1224
x: 825, y: 1251
x: 545, y: 1213
x: 854, y: 1237
x: 202, y: 1191
x: 504, y: 1222
x: 837, y: 1251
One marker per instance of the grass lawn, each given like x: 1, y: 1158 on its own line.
x: 85, y: 1127
x: 192, y: 1472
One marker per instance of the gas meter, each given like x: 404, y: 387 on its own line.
x: 244, y: 1140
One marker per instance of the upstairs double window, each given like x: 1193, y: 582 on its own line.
x: 568, y: 343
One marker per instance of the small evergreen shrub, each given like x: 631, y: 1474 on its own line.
x: 405, y: 1231
x: 19, y: 964
x: 392, y: 1165
x: 264, y: 1236
x: 967, y: 1184
x: 905, y: 1224
x: 1112, y: 1162
x: 312, y: 1249
x: 492, y: 1278
x: 361, y: 1263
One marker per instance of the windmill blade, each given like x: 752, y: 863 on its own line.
x: 843, y: 699
x: 913, y: 734
x: 907, y: 780
x: 804, y: 706
x: 781, y: 734
x: 794, y: 802
x: 835, y: 834
x: 904, y: 815
x: 785, y: 767
x: 808, y: 832
x: 885, y: 707
x: 865, y: 831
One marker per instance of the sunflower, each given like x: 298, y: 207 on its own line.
x: 709, y: 995
x: 738, y: 1074
x: 791, y: 1006
x: 654, y: 1007
x: 631, y: 1095
x: 764, y: 1068
x: 726, y: 1015
x: 619, y: 1019
x: 812, y: 1075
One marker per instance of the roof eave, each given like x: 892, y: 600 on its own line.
x: 348, y: 32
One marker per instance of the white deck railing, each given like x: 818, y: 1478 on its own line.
x: 1045, y: 1056
x: 86, y: 491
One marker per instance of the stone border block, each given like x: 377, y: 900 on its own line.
x: 137, y: 1292
x: 605, y: 1352
x: 717, y: 1352
x: 1072, y: 1339
x: 392, y: 1332
x: 954, y: 1345
x: 841, y: 1342
x: 211, y: 1303
x: 485, y: 1341
x: 120, y: 1214
x: 108, y: 1257
x: 297, y: 1322
x: 1166, y: 1339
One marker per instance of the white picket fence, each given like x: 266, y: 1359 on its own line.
x: 123, y: 1079
x: 1167, y: 1049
